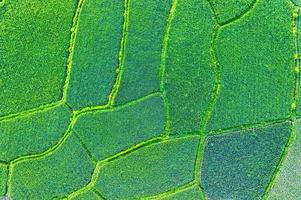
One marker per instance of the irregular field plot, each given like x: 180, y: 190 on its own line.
x: 150, y: 99
x: 34, y: 41
x: 240, y: 165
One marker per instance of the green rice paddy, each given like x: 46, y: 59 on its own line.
x: 150, y: 99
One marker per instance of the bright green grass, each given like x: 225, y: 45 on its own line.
x: 55, y: 175
x: 189, y: 79
x: 33, y: 133
x: 34, y: 41
x: 150, y: 170
x: 230, y: 10
x: 141, y: 58
x: 240, y: 165
x: 109, y: 132
x: 255, y: 55
x: 288, y: 181
x: 193, y: 193
x: 96, y: 53
x: 3, y: 178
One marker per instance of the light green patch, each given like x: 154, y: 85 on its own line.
x: 110, y: 132
x: 190, y: 73
x: 143, y: 45
x: 95, y: 57
x: 34, y: 40
x: 288, y: 180
x: 149, y: 170
x: 33, y: 133
x: 240, y: 165
x: 255, y: 55
x: 55, y: 175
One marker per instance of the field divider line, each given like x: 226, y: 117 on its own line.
x: 53, y: 148
x: 72, y: 123
x: 215, y: 94
x: 73, y: 120
x: 279, y: 164
x: 40, y: 155
x: 84, y: 146
x: 31, y: 111
x: 74, y: 31
x: 243, y: 127
x: 171, y: 191
x: 105, y: 161
x: 98, y: 193
x: 3, y: 163
x: 107, y: 108
x: 121, y: 55
x: 170, y: 18
x: 101, y: 163
x: 242, y: 15
x: 7, y: 177
x: 293, y: 116
x: 294, y: 3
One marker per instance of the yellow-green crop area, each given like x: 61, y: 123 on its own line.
x: 150, y: 99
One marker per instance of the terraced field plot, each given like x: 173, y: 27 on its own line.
x: 150, y: 99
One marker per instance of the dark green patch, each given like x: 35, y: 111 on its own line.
x: 96, y: 53
x: 231, y: 9
x: 189, y: 79
x: 33, y: 133
x: 193, y: 193
x: 150, y: 170
x: 288, y: 181
x: 241, y: 164
x: 256, y: 60
x: 34, y: 41
x: 143, y: 47
x: 55, y: 175
x: 106, y: 133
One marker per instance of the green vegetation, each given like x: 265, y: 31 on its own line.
x: 296, y: 2
x: 110, y: 132
x: 161, y: 99
x: 34, y: 40
x: 240, y: 165
x: 287, y: 184
x: 149, y: 170
x: 140, y: 61
x: 55, y: 175
x: 230, y: 10
x: 253, y: 65
x: 32, y: 133
x: 89, y: 195
x: 3, y: 178
x: 193, y: 193
x: 189, y: 79
x: 95, y: 58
